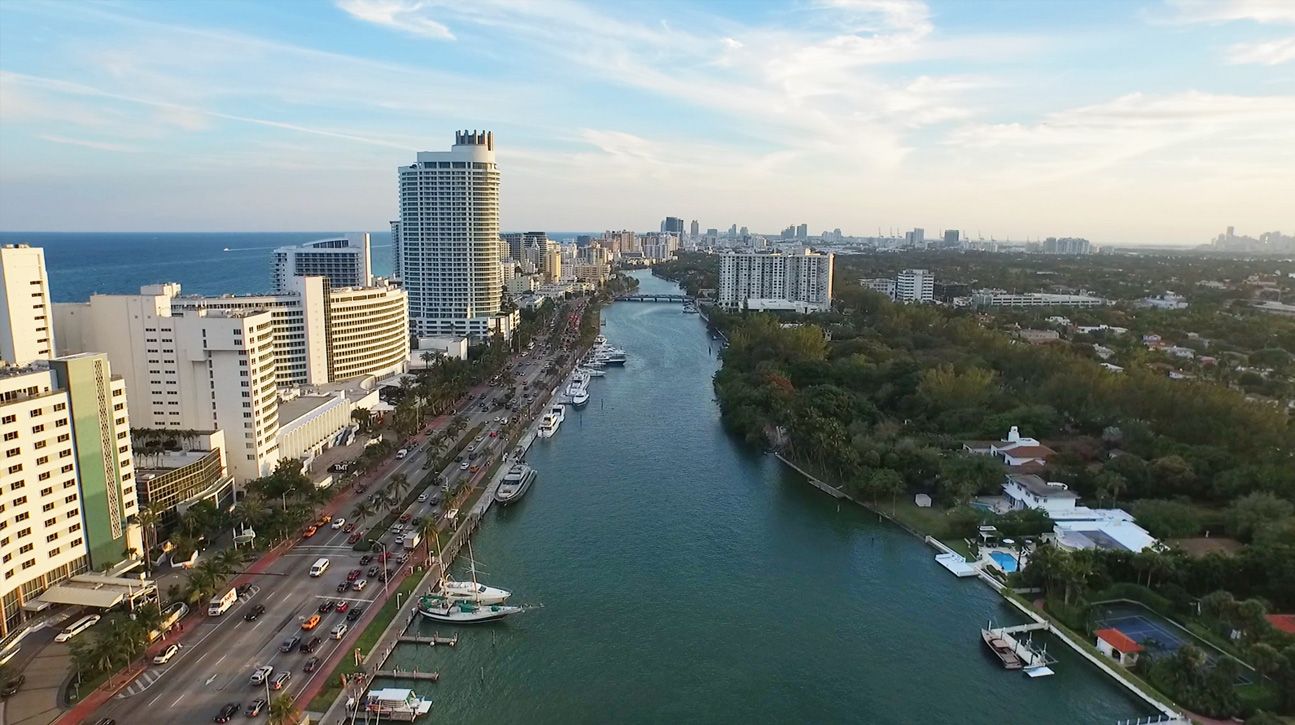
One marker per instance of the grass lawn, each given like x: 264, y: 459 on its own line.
x: 368, y: 638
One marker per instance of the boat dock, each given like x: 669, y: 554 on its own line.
x: 430, y: 641
x: 1034, y: 661
x: 956, y: 563
x: 409, y: 675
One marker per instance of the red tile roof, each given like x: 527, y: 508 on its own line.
x: 1118, y: 640
x: 1284, y: 622
x: 1028, y: 452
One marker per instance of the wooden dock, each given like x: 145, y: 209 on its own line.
x: 430, y: 641
x: 409, y: 675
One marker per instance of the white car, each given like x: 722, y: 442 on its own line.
x: 422, y: 497
x: 165, y: 655
x: 463, y: 466
x: 339, y: 522
x: 262, y: 674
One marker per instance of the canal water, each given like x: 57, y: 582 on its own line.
x: 686, y: 578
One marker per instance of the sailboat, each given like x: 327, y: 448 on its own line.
x: 472, y: 591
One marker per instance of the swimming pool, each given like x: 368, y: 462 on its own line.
x: 1005, y: 561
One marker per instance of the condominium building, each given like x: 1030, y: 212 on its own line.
x: 67, y: 485
x: 552, y: 264
x: 516, y: 243
x: 762, y: 279
x: 1067, y: 245
x: 396, y: 271
x: 24, y: 303
x: 880, y: 284
x: 915, y: 285
x: 1001, y: 298
x: 449, y: 240
x: 344, y: 261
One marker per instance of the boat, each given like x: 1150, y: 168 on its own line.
x: 470, y: 591
x: 462, y: 611
x: 548, y: 425
x: 394, y: 703
x: 226, y: 249
x: 613, y: 357
x: 593, y: 372
x: 1002, y: 649
x: 600, y: 340
x: 516, y: 483
x: 580, y: 399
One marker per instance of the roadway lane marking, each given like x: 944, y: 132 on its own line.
x: 177, y: 701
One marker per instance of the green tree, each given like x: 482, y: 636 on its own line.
x: 1250, y: 513
x: 964, y: 476
x: 283, y: 711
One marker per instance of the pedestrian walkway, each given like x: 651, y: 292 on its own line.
x: 141, y: 683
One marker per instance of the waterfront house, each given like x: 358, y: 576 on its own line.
x: 1118, y: 646
x: 1015, y: 451
x: 1028, y: 491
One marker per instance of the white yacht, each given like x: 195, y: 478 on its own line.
x: 516, y: 483
x: 470, y: 591
x: 593, y: 372
x: 393, y: 702
x: 549, y: 424
x: 580, y: 398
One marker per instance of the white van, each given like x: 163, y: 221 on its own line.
x: 77, y: 627
x: 319, y: 568
x: 221, y: 604
x: 402, y: 453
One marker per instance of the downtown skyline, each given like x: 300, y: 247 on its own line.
x: 1153, y: 122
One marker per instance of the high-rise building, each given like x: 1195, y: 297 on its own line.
x: 24, y: 305
x: 395, y: 249
x: 67, y: 484
x: 744, y: 231
x: 672, y: 225
x: 449, y: 240
x: 552, y: 263
x: 802, y: 231
x: 732, y: 231
x: 1067, y: 245
x: 775, y: 281
x: 696, y: 229
x: 345, y: 261
x: 951, y: 237
x: 915, y: 285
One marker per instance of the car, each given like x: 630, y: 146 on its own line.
x: 254, y: 612
x: 389, y: 574
x: 165, y: 655
x: 280, y: 680
x: 463, y: 466
x: 343, y: 606
x: 348, y: 528
x: 311, y: 665
x: 494, y: 434
x: 354, y: 574
x: 400, y: 454
x: 311, y: 646
x: 227, y: 712
x: 366, y: 559
x: 327, y: 606
x: 355, y: 614
x: 474, y: 469
x: 427, y: 464
x: 498, y: 419
x: 403, y: 558
x: 338, y: 631
x: 406, y: 518
x: 310, y: 531
x: 384, y: 556
x: 422, y: 497
x: 311, y: 622
x: 12, y: 685
x: 480, y: 438
x: 261, y: 675
x: 338, y: 523
x: 289, y: 644
x: 342, y: 586
x: 360, y: 584
x: 373, y: 571
x: 353, y: 538
x: 325, y: 519
x: 255, y: 707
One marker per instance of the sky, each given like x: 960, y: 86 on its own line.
x: 1155, y: 121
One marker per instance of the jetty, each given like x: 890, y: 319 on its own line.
x: 956, y: 563
x: 431, y: 641
x: 409, y: 675
x: 1019, y: 653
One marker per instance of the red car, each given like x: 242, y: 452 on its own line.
x: 355, y: 574
x: 343, y: 606
x: 349, y: 528
x: 353, y: 538
x: 405, y: 518
x: 384, y: 556
x: 494, y: 434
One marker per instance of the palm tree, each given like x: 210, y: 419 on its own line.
x: 283, y: 711
x: 399, y: 486
x: 363, y: 510
x: 148, y: 518
x: 427, y: 529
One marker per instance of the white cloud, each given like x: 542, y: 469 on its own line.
x: 102, y: 146
x: 405, y: 17
x: 1223, y: 11
x: 1270, y: 53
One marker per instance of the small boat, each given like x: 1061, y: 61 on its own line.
x: 445, y: 609
x: 226, y: 249
x: 1000, y: 647
x: 395, y: 703
x: 516, y: 483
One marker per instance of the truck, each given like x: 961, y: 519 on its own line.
x: 221, y: 603
x: 412, y: 539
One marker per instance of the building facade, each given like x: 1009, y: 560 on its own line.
x: 172, y: 480
x: 1000, y: 298
x: 344, y: 261
x: 450, y: 247
x: 880, y: 284
x: 915, y: 285
x: 798, y: 278
x: 25, y: 305
x: 67, y: 483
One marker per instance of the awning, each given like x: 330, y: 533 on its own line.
x: 96, y: 590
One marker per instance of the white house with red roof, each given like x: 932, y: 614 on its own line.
x: 1016, y: 450
x: 1118, y: 646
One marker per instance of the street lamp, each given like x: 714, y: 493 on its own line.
x: 382, y: 546
x: 284, y: 495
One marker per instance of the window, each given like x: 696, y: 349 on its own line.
x: 24, y: 532
x: 61, y: 422
x: 69, y: 484
x: 51, y: 537
x: 29, y: 563
x: 37, y: 428
x: 17, y: 485
x: 14, y: 434
x: 42, y: 460
x: 51, y: 521
x: 47, y: 491
x: 60, y: 406
x: 18, y: 466
x: 65, y: 453
x: 8, y: 419
x: 43, y: 476
x: 8, y: 558
x: 12, y: 452
x: 67, y: 468
x: 70, y: 499
x: 38, y: 444
x: 74, y: 527
x: 20, y: 501
x: 64, y: 437
x: 47, y: 507
x: 37, y: 412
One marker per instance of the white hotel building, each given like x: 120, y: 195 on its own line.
x: 448, y: 247
x: 775, y: 281
x: 24, y: 303
x: 345, y: 261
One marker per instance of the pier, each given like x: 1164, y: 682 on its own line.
x: 409, y: 675
x: 1034, y: 661
x: 430, y: 641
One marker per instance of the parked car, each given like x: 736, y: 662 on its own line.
x: 165, y: 655
x: 254, y: 612
x: 227, y: 712
x: 289, y: 644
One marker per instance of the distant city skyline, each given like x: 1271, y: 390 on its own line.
x: 1158, y: 122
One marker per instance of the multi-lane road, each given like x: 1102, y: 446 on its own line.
x: 218, y: 657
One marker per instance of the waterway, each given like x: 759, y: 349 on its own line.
x: 686, y: 578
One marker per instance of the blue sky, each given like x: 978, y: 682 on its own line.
x: 1159, y: 121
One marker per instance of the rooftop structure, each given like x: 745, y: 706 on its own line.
x: 344, y: 261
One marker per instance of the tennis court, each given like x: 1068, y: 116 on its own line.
x: 1160, y: 638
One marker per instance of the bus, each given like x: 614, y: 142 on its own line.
x: 319, y: 568
x: 221, y: 604
x: 77, y: 627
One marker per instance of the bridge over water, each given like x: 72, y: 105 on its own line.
x: 653, y: 298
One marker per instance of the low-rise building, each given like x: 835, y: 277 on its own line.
x: 1028, y: 491
x: 1118, y: 646
x: 455, y: 347
x: 170, y: 481
x: 1015, y: 450
x: 1039, y: 337
x: 880, y: 284
x: 1001, y: 298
